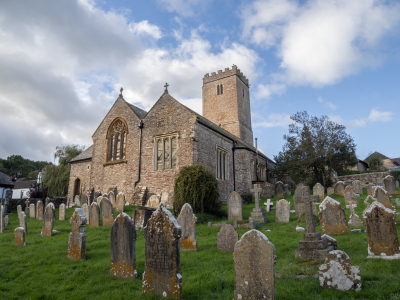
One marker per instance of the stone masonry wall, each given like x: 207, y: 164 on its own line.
x: 365, y: 178
x: 13, y: 203
x: 82, y: 171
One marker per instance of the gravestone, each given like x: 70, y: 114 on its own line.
x: 120, y: 202
x: 153, y: 201
x: 282, y: 211
x: 269, y: 205
x: 279, y: 190
x: 370, y: 189
x: 357, y: 185
x: 84, y: 199
x: 39, y: 210
x: 19, y: 209
x: 187, y: 220
x: 6, y: 221
x: 339, y: 188
x: 162, y: 258
x: 9, y: 194
x: 85, y: 210
x: 312, y: 246
x: 297, y: 195
x: 111, y: 197
x: 77, y: 200
x: 45, y: 202
x: 389, y: 184
x: 235, y: 208
x: 1, y: 219
x: 318, y: 189
x: 107, y: 213
x: 397, y: 201
x: 94, y: 215
x: 268, y: 190
x: 380, y: 223
x: 258, y: 214
x: 96, y: 195
x: 141, y: 215
x: 255, y: 260
x: 331, y: 241
x: 350, y: 196
x: 26, y: 207
x: 382, y: 196
x: 305, y: 190
x: 332, y: 216
x: 61, y: 212
x: 286, y: 189
x: 77, y: 238
x: 397, y: 184
x: 167, y: 199
x: 139, y: 196
x: 227, y: 238
x: 354, y: 219
x: 338, y: 273
x: 48, y: 220
x: 123, y: 254
x: 330, y: 191
x: 22, y: 221
x: 32, y: 212
x: 19, y: 234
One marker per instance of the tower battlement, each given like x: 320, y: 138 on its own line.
x: 226, y: 73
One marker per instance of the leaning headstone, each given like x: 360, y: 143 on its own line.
x: 235, y: 207
x: 77, y: 200
x: 350, y: 196
x: 107, y: 213
x: 319, y: 190
x: 32, y: 212
x: 357, y: 186
x: 153, y: 201
x: 120, y: 202
x: 48, y: 220
x: 258, y: 214
x: 61, y: 212
x: 339, y: 188
x: 279, y: 189
x: 282, y: 211
x: 370, y: 189
x: 331, y: 241
x: 389, y: 184
x: 94, y: 215
x: 26, y: 207
x: 338, y: 273
x: 227, y: 238
x: 22, y: 221
x: 39, y: 210
x: 382, y: 196
x: 354, y: 219
x: 111, y: 197
x: 19, y: 234
x: 162, y: 258
x: 77, y: 238
x: 85, y: 209
x: 330, y: 191
x: 255, y: 259
x: 123, y: 254
x: 380, y: 223
x: 83, y: 199
x: 332, y: 217
x: 187, y: 220
x: 286, y: 189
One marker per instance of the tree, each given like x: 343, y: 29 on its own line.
x: 375, y: 162
x: 314, y: 148
x: 19, y: 166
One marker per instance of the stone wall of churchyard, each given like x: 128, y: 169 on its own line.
x: 365, y: 178
x: 82, y: 171
x: 13, y: 203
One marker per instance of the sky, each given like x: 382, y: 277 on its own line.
x: 63, y: 62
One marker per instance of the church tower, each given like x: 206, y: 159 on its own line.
x: 226, y: 102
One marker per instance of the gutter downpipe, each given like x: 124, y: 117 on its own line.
x: 140, y: 151
x: 233, y: 154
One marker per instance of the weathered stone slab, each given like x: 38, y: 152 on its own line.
x: 227, y: 238
x: 187, y: 220
x: 19, y: 209
x: 389, y: 184
x: 268, y: 189
x: 338, y: 273
x: 354, y: 219
x: 48, y: 220
x: 94, y: 215
x: 282, y: 211
x: 39, y: 210
x: 77, y: 238
x: 77, y: 200
x: 371, y: 189
x: 85, y: 209
x: 255, y: 259
x: 96, y: 195
x: 235, y: 207
x: 111, y: 197
x: 123, y: 250
x: 380, y: 223
x: 286, y: 189
x: 22, y: 221
x: 61, y: 212
x: 84, y: 199
x: 330, y: 191
x: 167, y: 199
x: 297, y: 195
x: 141, y: 215
x: 319, y: 190
x: 332, y: 217
x: 32, y: 212
x: 330, y: 241
x: 19, y: 234
x: 382, y: 196
x: 107, y: 213
x: 279, y: 189
x: 350, y: 196
x: 339, y: 188
x: 120, y: 202
x: 258, y: 214
x: 139, y: 196
x: 153, y: 201
x: 397, y: 201
x: 162, y: 259
x: 357, y: 185
x: 6, y: 221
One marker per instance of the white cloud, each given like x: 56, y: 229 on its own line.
x: 327, y: 103
x: 145, y: 28
x: 265, y: 91
x: 185, y: 8
x: 374, y: 116
x: 274, y: 120
x: 377, y: 116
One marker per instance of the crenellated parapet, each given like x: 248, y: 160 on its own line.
x: 228, y: 72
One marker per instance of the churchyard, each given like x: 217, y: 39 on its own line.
x: 42, y: 269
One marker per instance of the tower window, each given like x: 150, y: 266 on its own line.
x: 220, y: 89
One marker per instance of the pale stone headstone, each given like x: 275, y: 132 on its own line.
x: 32, y: 212
x: 139, y: 196
x: 332, y: 217
x: 268, y: 205
x: 48, y: 220
x: 330, y: 191
x: 357, y: 184
x: 6, y: 221
x: 279, y: 189
x: 94, y: 215
x: 107, y: 213
x: 141, y: 215
x: 19, y: 234
x: 370, y: 189
x: 297, y: 195
x: 397, y: 201
x: 111, y: 197
x: 167, y: 199
x: 22, y: 221
x: 282, y: 211
x: 382, y: 196
x: 389, y: 184
x: 77, y: 238
x: 123, y: 250
x: 187, y: 220
x: 338, y: 273
x: 84, y: 199
x: 162, y: 257
x: 380, y: 223
x: 77, y: 200
x: 85, y: 209
x: 319, y: 190
x: 286, y: 189
x: 19, y: 209
x: 61, y: 212
x: 354, y: 219
x: 255, y: 259
x: 227, y: 238
x: 120, y: 202
x: 154, y: 201
x: 350, y: 196
x: 339, y: 188
x: 331, y: 241
x: 39, y: 210
x: 235, y: 208
x: 258, y: 214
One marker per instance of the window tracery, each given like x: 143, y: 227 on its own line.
x: 116, y: 141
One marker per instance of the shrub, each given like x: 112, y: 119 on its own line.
x: 198, y: 187
x: 247, y: 199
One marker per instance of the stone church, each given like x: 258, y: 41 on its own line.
x: 133, y: 149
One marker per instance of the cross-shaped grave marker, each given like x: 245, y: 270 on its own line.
x: 307, y: 200
x: 257, y: 190
x: 268, y: 205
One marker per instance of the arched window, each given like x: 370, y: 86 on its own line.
x: 116, y: 141
x: 77, y: 190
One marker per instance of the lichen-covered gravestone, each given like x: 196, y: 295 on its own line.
x: 187, y: 220
x: 331, y: 241
x: 19, y: 209
x: 94, y: 215
x: 389, y: 184
x: 22, y: 221
x: 141, y: 215
x: 111, y: 197
x: 338, y: 273
x: 77, y: 200
x: 123, y: 251
x: 332, y: 217
x: 339, y: 188
x: 370, y: 189
x: 357, y: 186
x: 255, y: 260
x: 319, y: 190
x: 227, y: 238
x: 139, y: 196
x: 380, y: 223
x: 350, y: 196
x: 330, y: 191
x: 235, y: 208
x: 383, y: 197
x: 32, y: 212
x: 19, y: 234
x: 84, y: 199
x: 39, y: 210
x: 305, y: 191
x: 282, y: 211
x: 120, y: 202
x: 77, y: 238
x: 286, y: 189
x: 85, y: 209
x: 153, y: 201
x: 162, y: 257
x: 258, y: 214
x: 354, y: 220
x: 61, y: 212
x: 107, y: 213
x: 279, y: 189
x: 48, y: 220
x: 297, y: 195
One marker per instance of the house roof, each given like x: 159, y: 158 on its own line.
x: 363, y: 162
x: 396, y: 161
x: 24, y: 183
x: 5, y: 180
x: 380, y: 155
x: 140, y: 112
x: 85, y: 155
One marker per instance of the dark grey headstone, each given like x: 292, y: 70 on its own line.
x: 227, y: 238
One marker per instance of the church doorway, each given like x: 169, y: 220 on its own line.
x: 77, y: 190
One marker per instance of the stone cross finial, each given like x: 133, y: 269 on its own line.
x: 257, y: 190
x: 307, y: 200
x: 121, y: 91
x: 166, y: 87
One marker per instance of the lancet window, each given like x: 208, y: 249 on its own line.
x: 165, y: 152
x: 222, y: 165
x: 116, y: 141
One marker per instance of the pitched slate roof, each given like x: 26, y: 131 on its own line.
x: 24, y: 183
x: 377, y: 154
x: 396, y: 161
x: 5, y: 180
x: 140, y: 112
x: 85, y: 155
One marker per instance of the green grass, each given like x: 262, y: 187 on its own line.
x: 41, y: 269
